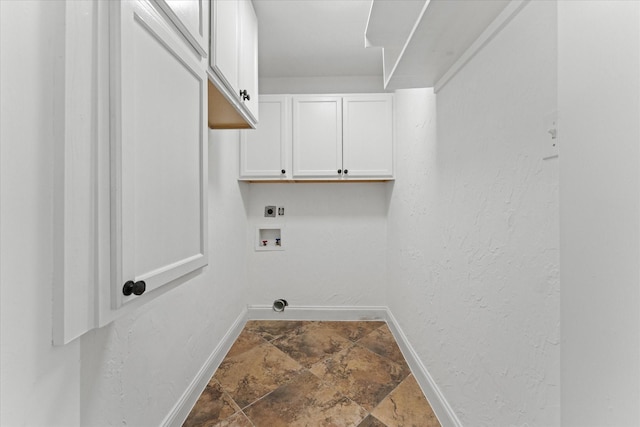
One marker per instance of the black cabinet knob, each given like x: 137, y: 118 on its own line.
x: 283, y: 171
x: 346, y: 171
x: 339, y: 171
x: 136, y: 288
x: 127, y: 289
x: 139, y: 287
x: 244, y: 95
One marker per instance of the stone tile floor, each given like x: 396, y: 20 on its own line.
x: 303, y: 373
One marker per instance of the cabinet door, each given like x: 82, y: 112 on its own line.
x: 264, y: 152
x: 225, y: 42
x: 368, y: 136
x: 190, y: 17
x: 317, y: 136
x: 159, y: 152
x: 248, y: 68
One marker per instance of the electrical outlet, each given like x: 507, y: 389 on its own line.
x: 280, y: 210
x: 270, y: 211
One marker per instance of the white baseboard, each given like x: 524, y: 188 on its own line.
x: 181, y: 410
x: 441, y: 407
x: 344, y: 313
x: 439, y: 404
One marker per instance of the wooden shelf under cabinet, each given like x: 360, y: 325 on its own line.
x: 313, y: 181
x: 222, y: 115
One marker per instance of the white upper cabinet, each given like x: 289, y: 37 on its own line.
x: 225, y: 36
x: 190, y: 17
x: 233, y: 62
x: 248, y: 68
x: 265, y: 151
x: 343, y: 137
x: 317, y: 136
x: 320, y: 138
x: 367, y: 145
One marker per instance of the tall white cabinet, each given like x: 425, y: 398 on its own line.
x: 159, y: 148
x: 144, y: 212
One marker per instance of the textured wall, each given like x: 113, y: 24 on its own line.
x: 39, y: 383
x: 327, y: 84
x: 473, y: 230
x: 600, y: 211
x: 135, y: 369
x: 335, y: 237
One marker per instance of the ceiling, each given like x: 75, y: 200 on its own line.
x: 315, y: 38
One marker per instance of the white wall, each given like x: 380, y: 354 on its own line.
x: 335, y: 234
x: 335, y: 239
x: 473, y: 230
x: 329, y: 84
x: 599, y: 104
x: 40, y: 384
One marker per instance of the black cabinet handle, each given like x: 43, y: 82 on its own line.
x: 139, y: 287
x: 339, y: 171
x: 283, y: 171
x: 346, y: 171
x: 136, y: 288
x: 127, y: 289
x: 244, y: 95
